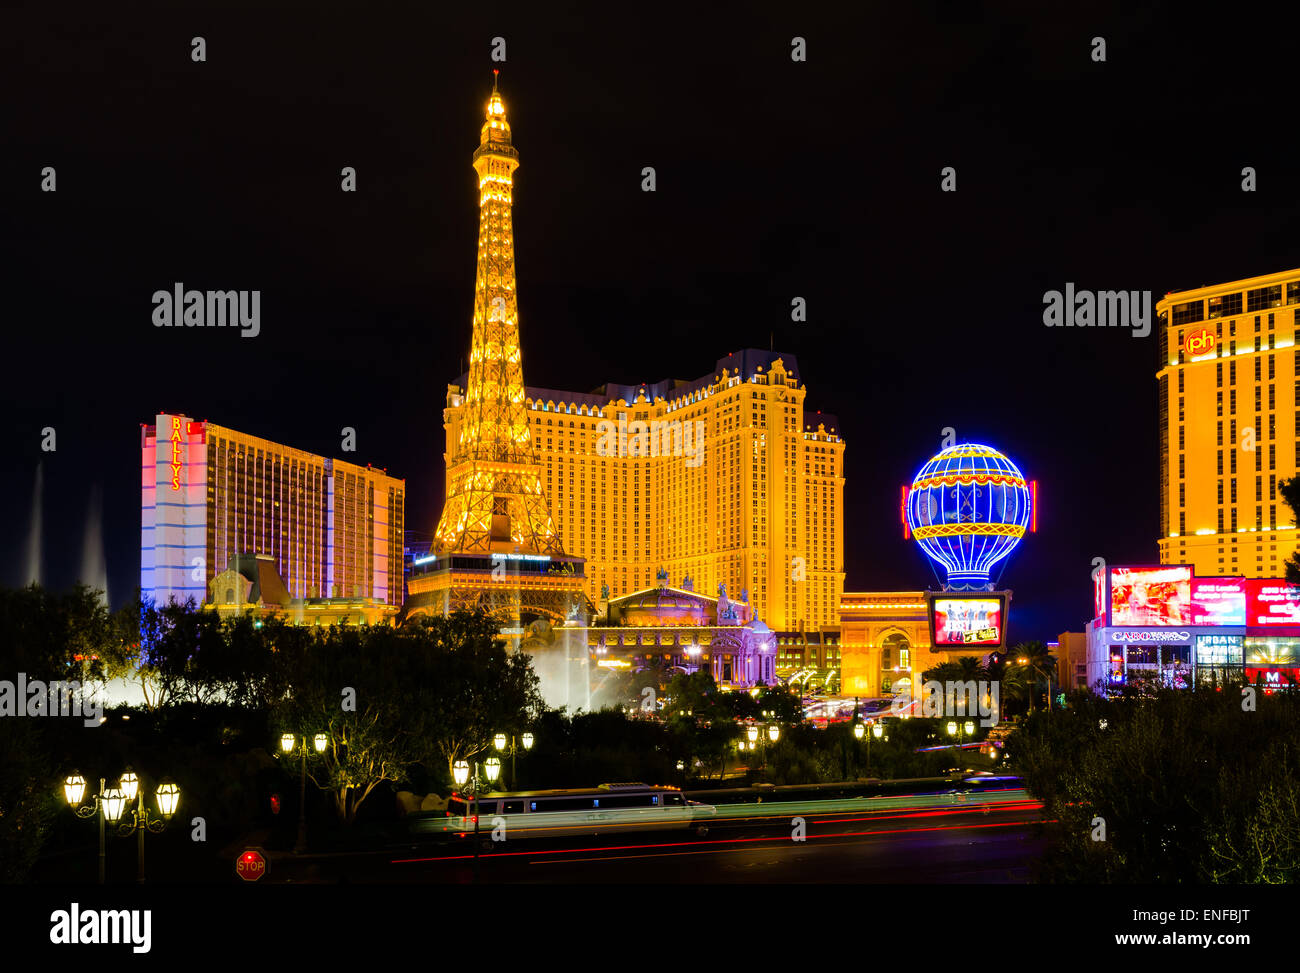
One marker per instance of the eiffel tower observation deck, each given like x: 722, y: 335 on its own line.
x: 496, y: 544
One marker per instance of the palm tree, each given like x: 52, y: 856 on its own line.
x: 1032, y: 661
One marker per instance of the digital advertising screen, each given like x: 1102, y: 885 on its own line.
x: 1152, y: 596
x: 1218, y: 601
x: 1272, y: 602
x: 1219, y: 650
x: 977, y: 620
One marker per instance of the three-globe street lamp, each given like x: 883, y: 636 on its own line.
x: 288, y: 744
x: 109, y: 805
x: 510, y: 745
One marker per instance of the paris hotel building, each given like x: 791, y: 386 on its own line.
x: 760, y: 507
x: 210, y: 494
x: 1229, y: 425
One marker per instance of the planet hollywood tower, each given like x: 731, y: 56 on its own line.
x: 496, y: 544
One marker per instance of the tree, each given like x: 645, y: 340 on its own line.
x: 1290, y: 491
x: 1170, y: 787
x: 349, y: 685
x: 1030, y: 662
x: 469, y: 687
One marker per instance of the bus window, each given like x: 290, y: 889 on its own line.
x: 673, y: 799
x: 513, y: 807
x: 563, y: 804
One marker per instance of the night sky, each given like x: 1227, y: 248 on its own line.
x: 775, y: 179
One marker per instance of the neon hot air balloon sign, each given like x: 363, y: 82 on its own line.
x: 968, y: 507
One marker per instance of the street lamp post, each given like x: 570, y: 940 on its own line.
x: 287, y: 744
x: 74, y: 789
x: 109, y: 806
x: 511, y: 746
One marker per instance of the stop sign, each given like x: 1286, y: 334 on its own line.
x: 250, y: 865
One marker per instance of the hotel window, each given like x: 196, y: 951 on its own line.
x: 1233, y: 491
x: 1219, y: 403
x: 1218, y: 368
x: 1182, y: 494
x: 1182, y: 522
x: 1271, y: 369
x: 1220, y: 491
x: 1220, y: 425
x: 1220, y: 457
x: 1220, y: 520
x: 1189, y: 312
x: 1232, y: 402
x: 1182, y: 374
x: 1262, y: 298
x: 1259, y: 488
x: 1182, y: 465
x: 1225, y: 305
x: 1234, y: 516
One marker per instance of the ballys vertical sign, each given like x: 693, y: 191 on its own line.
x: 176, y: 452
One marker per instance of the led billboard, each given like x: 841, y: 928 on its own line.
x: 1218, y: 601
x: 1272, y: 602
x: 1152, y: 596
x: 976, y: 620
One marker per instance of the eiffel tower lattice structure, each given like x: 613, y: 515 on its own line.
x: 496, y: 544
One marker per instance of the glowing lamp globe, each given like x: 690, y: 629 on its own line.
x: 968, y: 507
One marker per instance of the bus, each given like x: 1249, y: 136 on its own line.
x: 607, y: 809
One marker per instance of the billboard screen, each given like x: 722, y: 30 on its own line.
x: 977, y: 620
x: 1219, y: 650
x: 1154, y: 596
x: 1272, y: 602
x: 1218, y: 601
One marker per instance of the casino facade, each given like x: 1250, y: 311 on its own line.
x: 1168, y: 624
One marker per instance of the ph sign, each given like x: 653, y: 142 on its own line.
x: 1199, y: 342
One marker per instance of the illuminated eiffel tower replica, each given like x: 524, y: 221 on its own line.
x: 496, y: 543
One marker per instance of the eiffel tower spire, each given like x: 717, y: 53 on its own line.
x: 495, y: 500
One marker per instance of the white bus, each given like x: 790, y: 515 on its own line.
x: 607, y: 809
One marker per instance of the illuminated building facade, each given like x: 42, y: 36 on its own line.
x: 251, y: 583
x: 210, y: 494
x: 1229, y: 424
x: 688, y: 631
x: 496, y: 545
x: 885, y: 639
x: 727, y: 479
x: 810, y: 660
x: 1168, y: 624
